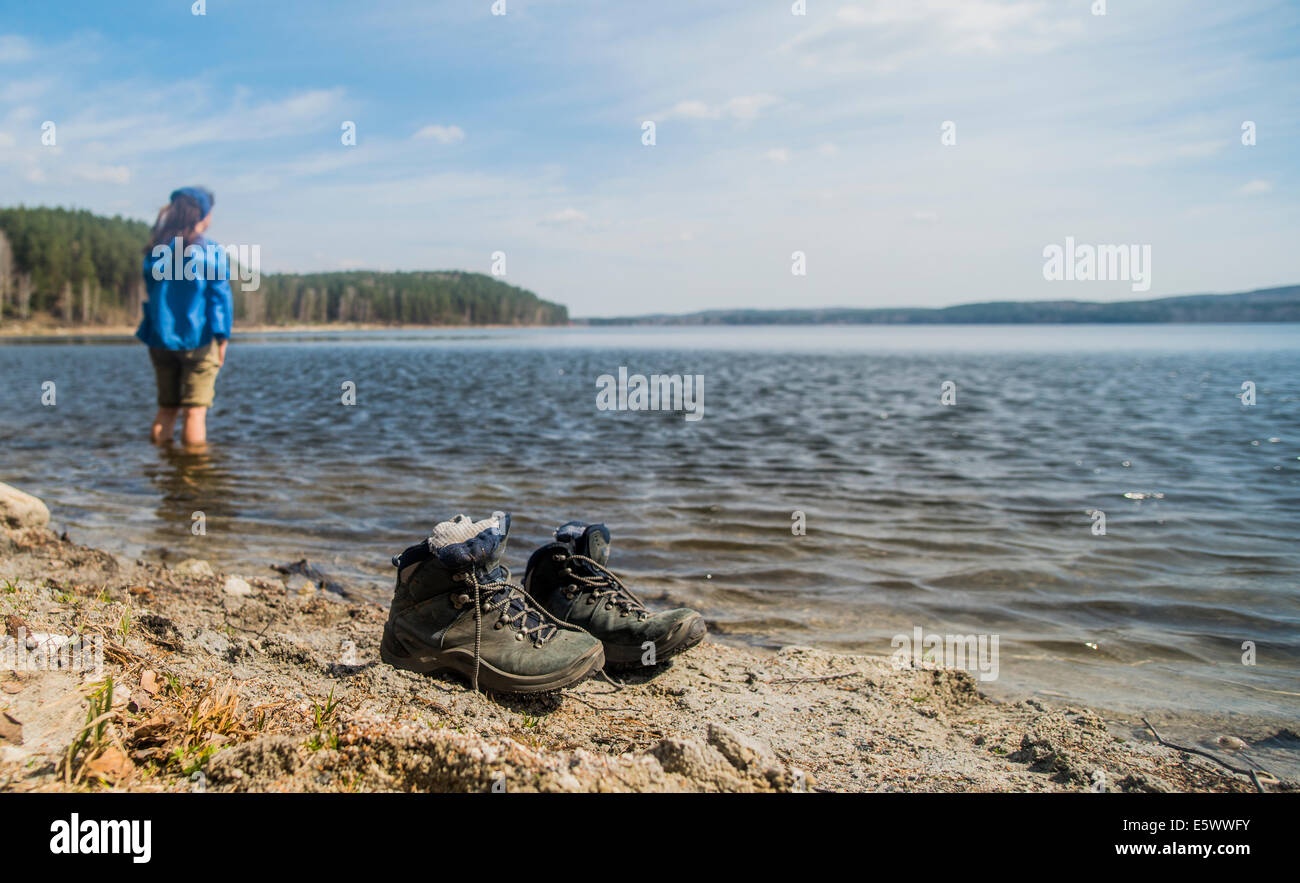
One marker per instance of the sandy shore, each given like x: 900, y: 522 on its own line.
x: 264, y: 682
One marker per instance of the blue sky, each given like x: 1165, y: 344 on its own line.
x: 775, y: 133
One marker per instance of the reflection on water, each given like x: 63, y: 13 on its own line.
x: 963, y: 519
x: 193, y: 486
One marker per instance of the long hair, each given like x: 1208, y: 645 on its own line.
x: 177, y: 218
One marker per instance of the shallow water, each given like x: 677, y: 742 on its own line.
x: 962, y: 519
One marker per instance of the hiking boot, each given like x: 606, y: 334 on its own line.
x: 455, y: 607
x: 569, y: 578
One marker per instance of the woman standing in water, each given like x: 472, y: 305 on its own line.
x: 187, y: 315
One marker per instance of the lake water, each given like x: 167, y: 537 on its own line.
x: 968, y: 518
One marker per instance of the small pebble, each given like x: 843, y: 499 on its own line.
x: 194, y: 567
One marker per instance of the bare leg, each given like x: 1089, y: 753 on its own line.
x: 194, y: 426
x: 164, y: 423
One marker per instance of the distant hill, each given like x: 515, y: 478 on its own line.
x: 1264, y: 305
x: 78, y: 268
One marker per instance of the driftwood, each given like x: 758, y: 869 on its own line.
x: 1221, y: 762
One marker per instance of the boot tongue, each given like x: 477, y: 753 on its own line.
x: 516, y: 605
x: 591, y: 540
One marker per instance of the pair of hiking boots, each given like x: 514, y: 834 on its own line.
x: 456, y: 607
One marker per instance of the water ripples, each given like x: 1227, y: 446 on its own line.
x: 971, y: 517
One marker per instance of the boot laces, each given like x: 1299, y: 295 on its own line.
x: 513, y: 608
x: 604, y: 584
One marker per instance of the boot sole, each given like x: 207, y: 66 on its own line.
x: 490, y: 677
x: 685, y: 635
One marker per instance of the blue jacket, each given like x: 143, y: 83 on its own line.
x: 189, y: 305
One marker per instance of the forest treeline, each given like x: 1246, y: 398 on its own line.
x: 78, y: 268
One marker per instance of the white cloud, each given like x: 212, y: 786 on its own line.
x: 691, y: 110
x: 329, y: 161
x: 132, y: 135
x: 1255, y: 187
x: 852, y: 15
x: 102, y: 174
x: 442, y: 134
x: 887, y: 34
x: 565, y: 218
x: 1201, y: 148
x: 778, y: 155
x: 748, y: 107
x: 978, y: 21
x: 1159, y: 147
x: 16, y: 91
x: 743, y: 107
x: 14, y: 49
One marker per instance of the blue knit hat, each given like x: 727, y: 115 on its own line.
x: 203, y: 197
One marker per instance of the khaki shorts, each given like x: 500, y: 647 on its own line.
x: 186, y: 378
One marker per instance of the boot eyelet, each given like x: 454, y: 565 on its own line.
x: 459, y: 601
x: 591, y: 600
x: 609, y: 606
x: 498, y: 624
x: 519, y: 636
